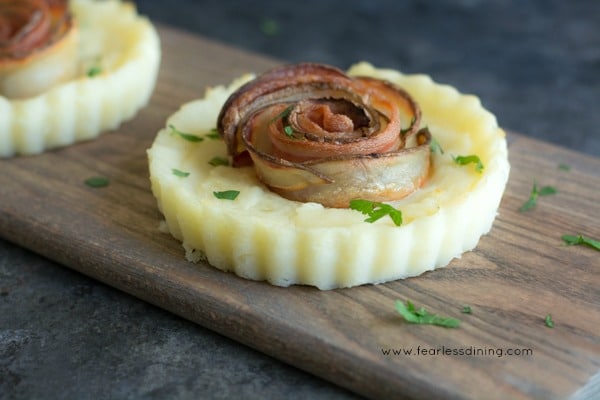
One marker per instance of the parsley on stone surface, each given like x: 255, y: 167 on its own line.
x: 269, y: 27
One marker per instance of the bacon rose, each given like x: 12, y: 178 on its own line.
x: 315, y: 134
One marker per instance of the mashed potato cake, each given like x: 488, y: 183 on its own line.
x: 260, y: 235
x: 118, y: 56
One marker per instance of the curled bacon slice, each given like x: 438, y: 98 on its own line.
x: 315, y: 134
x: 29, y: 25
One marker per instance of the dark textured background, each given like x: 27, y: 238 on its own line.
x: 535, y: 64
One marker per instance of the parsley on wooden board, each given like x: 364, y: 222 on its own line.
x: 548, y: 321
x: 375, y: 210
x: 571, y: 240
x: 97, y: 181
x: 535, y: 193
x: 564, y: 167
x: 421, y: 316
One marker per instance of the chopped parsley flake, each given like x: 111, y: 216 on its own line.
x: 375, y: 210
x: 288, y: 130
x: 466, y: 309
x: 269, y: 27
x: 421, y: 316
x: 187, y: 136
x: 581, y: 240
x: 434, y: 146
x: 227, y: 194
x: 97, y: 181
x: 216, y: 161
x: 548, y: 321
x: 564, y: 167
x: 407, y: 129
x: 93, y: 71
x: 535, y: 193
x: 180, y: 173
x: 283, y: 114
x: 213, y: 134
x: 470, y: 159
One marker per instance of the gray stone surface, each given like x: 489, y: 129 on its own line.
x: 535, y: 64
x: 65, y: 336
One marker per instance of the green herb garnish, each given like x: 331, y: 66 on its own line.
x: 213, y: 134
x: 564, y: 167
x: 581, y: 240
x: 180, y: 173
x: 548, y: 321
x: 376, y: 210
x: 406, y: 130
x: 97, y: 181
x: 216, y: 161
x: 470, y: 159
x: 283, y: 114
x: 535, y: 193
x: 466, y: 309
x: 227, y: 194
x: 93, y: 71
x: 288, y: 131
x: 435, y: 146
x: 187, y: 136
x: 422, y: 316
x: 269, y: 27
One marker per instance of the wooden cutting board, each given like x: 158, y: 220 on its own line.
x: 517, y: 275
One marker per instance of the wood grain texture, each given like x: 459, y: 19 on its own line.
x: 519, y: 273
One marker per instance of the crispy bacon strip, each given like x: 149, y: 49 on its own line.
x: 315, y: 134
